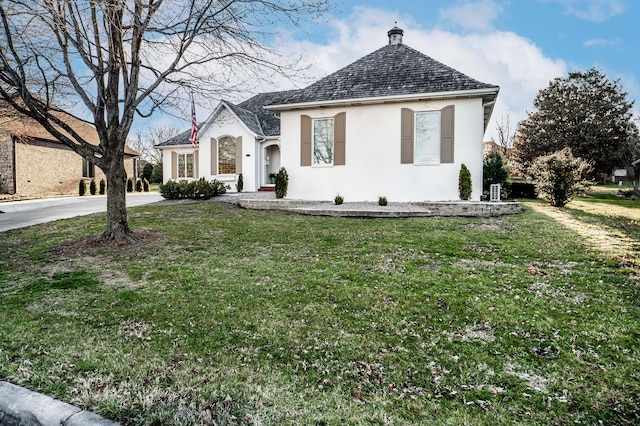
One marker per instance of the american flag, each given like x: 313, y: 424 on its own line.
x: 194, y: 125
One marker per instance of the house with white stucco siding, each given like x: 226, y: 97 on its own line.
x: 395, y: 123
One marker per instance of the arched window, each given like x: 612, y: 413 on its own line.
x: 226, y: 155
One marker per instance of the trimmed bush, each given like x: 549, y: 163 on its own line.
x: 382, y: 201
x: 339, y: 199
x: 198, y: 189
x: 129, y: 185
x: 138, y: 185
x: 522, y: 190
x: 92, y: 187
x: 102, y: 187
x: 240, y: 184
x: 82, y: 187
x: 560, y: 176
x: 464, y: 183
x: 282, y: 183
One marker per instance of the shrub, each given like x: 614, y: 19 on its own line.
x: 129, y: 185
x: 560, y: 176
x: 145, y: 185
x: 92, y: 187
x: 240, y: 184
x: 339, y: 199
x: 156, y: 175
x: 494, y: 170
x: 198, y: 189
x: 522, y: 190
x: 464, y: 183
x: 82, y: 187
x: 382, y: 201
x: 138, y: 185
x: 147, y: 171
x: 282, y: 183
x: 102, y: 187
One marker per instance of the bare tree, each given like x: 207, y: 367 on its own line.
x: 110, y: 60
x: 505, y: 137
x: 145, y: 143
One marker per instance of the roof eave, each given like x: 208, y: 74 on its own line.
x: 491, y: 92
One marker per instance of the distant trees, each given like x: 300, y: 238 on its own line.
x: 585, y: 112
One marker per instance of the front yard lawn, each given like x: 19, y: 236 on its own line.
x: 230, y: 316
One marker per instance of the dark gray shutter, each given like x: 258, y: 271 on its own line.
x: 214, y: 156
x: 305, y: 140
x: 239, y: 154
x: 174, y: 165
x: 339, y: 139
x: 406, y: 138
x: 447, y: 121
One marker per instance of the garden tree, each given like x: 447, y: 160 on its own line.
x: 585, y: 112
x: 464, y: 183
x: 560, y: 176
x: 494, y: 170
x: 115, y: 59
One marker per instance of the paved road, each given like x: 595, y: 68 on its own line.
x: 18, y: 214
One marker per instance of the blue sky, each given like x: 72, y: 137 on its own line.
x: 519, y: 45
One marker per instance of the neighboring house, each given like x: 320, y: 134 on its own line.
x: 395, y: 123
x: 34, y: 164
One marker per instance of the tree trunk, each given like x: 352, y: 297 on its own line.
x: 117, y: 223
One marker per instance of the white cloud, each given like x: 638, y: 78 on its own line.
x: 471, y: 16
x: 506, y: 59
x: 593, y: 10
x: 602, y: 42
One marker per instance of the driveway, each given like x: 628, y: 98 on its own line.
x: 18, y: 214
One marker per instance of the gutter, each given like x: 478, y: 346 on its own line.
x: 492, y: 92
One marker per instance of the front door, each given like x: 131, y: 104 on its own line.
x: 272, y: 164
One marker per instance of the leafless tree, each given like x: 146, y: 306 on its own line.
x: 505, y: 137
x: 145, y: 143
x: 106, y: 61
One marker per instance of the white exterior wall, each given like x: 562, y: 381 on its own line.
x: 373, y: 166
x: 225, y: 124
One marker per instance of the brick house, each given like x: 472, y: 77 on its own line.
x: 34, y: 164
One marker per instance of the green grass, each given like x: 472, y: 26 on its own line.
x: 249, y: 317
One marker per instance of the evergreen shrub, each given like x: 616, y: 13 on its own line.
x: 102, y: 187
x: 92, y: 187
x: 82, y: 187
x: 129, y: 185
x: 464, y: 183
x: 339, y: 199
x: 382, y: 201
x: 282, y: 183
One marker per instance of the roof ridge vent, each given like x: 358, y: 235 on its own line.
x: 395, y: 35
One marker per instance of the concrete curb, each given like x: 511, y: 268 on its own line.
x: 22, y: 407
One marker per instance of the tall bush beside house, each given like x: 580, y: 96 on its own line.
x: 494, y: 170
x: 464, y: 183
x: 103, y: 187
x: 92, y: 187
x: 240, y: 184
x: 82, y: 187
x: 560, y: 176
x: 129, y: 185
x: 282, y: 183
x: 138, y: 185
x: 145, y: 185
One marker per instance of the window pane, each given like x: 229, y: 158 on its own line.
x: 181, y: 168
x: 226, y: 155
x: 427, y: 149
x: 323, y: 141
x: 189, y: 161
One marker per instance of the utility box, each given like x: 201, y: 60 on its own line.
x: 494, y: 192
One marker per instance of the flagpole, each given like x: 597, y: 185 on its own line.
x: 194, y: 123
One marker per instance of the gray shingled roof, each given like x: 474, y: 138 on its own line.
x: 393, y: 70
x: 269, y: 121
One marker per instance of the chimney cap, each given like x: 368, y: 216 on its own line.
x: 395, y: 35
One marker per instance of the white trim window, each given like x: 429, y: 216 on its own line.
x: 88, y: 169
x: 427, y: 137
x: 226, y: 155
x: 323, y: 142
x: 185, y: 166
